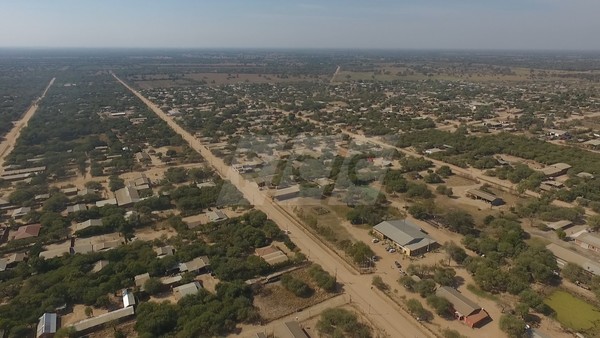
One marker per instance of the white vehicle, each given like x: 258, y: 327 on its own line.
x: 392, y: 250
x: 375, y: 240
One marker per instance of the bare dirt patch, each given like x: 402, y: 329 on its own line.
x: 274, y: 301
x: 78, y: 314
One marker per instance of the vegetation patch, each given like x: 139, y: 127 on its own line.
x: 275, y: 300
x: 573, y: 312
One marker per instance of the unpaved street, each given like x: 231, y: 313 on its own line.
x: 383, y: 312
x: 11, y: 138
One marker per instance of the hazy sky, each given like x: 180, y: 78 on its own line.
x: 479, y: 24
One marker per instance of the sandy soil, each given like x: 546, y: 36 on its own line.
x: 78, y: 314
x: 150, y: 234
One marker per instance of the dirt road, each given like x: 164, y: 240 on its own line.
x: 11, y: 138
x: 337, y: 71
x: 383, y: 312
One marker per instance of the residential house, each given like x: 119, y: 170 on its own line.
x: 140, y: 280
x: 20, y: 212
x: 26, y: 231
x: 76, y: 208
x: 186, y: 289
x: 271, y: 255
x: 163, y: 251
x: 196, y: 265
x: 465, y: 309
x: 13, y: 259
x: 555, y: 170
x: 127, y: 196
x: 216, y: 215
x: 47, y: 325
x: 87, y: 224
x: 588, y: 241
x: 559, y: 225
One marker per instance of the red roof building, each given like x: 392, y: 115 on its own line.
x: 27, y: 231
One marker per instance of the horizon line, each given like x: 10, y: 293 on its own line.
x: 397, y: 49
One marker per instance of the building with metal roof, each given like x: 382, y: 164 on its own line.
x: 127, y: 196
x: 290, y: 330
x: 554, y: 170
x: 195, y: 265
x: 588, y: 241
x: 464, y: 309
x: 485, y: 196
x: 87, y: 224
x: 564, y: 256
x: 47, y: 325
x: 90, y: 324
x: 187, y: 289
x: 406, y: 236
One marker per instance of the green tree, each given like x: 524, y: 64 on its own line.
x: 379, y: 283
x: 56, y: 203
x: 455, y: 252
x: 115, y: 183
x: 153, y: 286
x: 297, y: 286
x: 66, y: 332
x: 442, y: 306
x: 513, y: 326
x: 342, y: 323
x: 425, y: 287
x: 416, y: 309
x: 360, y: 252
x: 594, y: 222
x: 444, y: 171
x: 156, y: 319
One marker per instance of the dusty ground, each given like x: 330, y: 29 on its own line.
x: 208, y: 282
x: 274, y: 301
x: 78, y: 314
x: 151, y: 233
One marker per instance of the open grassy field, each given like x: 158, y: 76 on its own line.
x: 574, y: 312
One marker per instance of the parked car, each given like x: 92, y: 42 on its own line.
x: 392, y: 250
x: 375, y: 240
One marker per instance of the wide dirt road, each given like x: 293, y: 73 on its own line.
x: 382, y: 311
x: 11, y: 138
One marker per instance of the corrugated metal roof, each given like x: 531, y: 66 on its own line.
x: 47, y: 324
x: 103, y: 319
x: 404, y: 233
x: 461, y: 304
